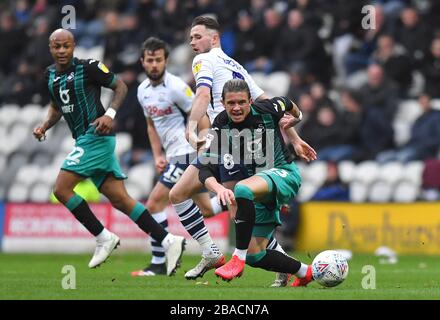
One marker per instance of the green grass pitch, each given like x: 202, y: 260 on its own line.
x: 36, y: 276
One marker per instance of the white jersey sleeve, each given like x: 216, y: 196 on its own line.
x: 182, y: 95
x: 203, y: 70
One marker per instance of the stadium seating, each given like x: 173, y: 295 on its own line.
x: 406, y: 192
x: 306, y: 191
x: 142, y: 175
x: 315, y: 173
x: 40, y: 192
x: 366, y: 172
x: 123, y: 143
x: 28, y: 174
x: 18, y: 193
x: 3, y: 161
x: 412, y: 172
x: 275, y: 84
x: 8, y: 114
x: 358, y: 192
x: 380, y: 191
x: 134, y: 190
x: 346, y: 171
x: 96, y: 53
x: 278, y: 83
x: 391, y: 172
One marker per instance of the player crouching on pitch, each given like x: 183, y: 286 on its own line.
x: 272, y: 178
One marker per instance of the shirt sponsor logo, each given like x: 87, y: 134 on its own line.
x: 260, y: 129
x: 70, y: 76
x: 154, y: 111
x: 68, y: 108
x: 197, y: 66
x: 188, y: 92
x: 231, y: 63
x: 103, y: 67
x: 283, y: 106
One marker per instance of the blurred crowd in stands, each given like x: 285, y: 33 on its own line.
x: 347, y: 79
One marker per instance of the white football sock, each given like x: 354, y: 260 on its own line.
x: 241, y: 254
x: 104, y: 235
x: 216, y: 207
x: 302, y: 271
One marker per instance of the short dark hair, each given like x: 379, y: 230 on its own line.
x: 154, y: 44
x: 207, y: 21
x: 235, y: 85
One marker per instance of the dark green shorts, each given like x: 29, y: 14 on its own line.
x: 263, y: 231
x: 284, y: 183
x: 94, y: 157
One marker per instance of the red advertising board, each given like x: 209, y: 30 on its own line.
x: 48, y: 220
x: 29, y: 226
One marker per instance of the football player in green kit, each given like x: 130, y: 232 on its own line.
x: 75, y: 88
x: 246, y: 142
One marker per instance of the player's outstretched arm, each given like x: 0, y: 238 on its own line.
x: 198, y: 111
x: 53, y: 116
x: 104, y: 124
x: 302, y: 148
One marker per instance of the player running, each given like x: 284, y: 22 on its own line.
x: 165, y: 99
x: 75, y: 87
x: 248, y: 138
x: 212, y: 68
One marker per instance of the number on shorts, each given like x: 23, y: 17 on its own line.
x: 282, y: 173
x: 173, y: 174
x: 73, y: 157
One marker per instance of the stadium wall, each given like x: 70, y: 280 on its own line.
x: 405, y: 228
x: 30, y: 227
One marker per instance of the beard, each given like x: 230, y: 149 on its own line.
x: 155, y: 77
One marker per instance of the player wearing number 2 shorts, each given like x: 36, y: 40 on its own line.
x: 165, y: 99
x: 75, y: 87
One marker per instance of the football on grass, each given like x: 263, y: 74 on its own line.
x: 329, y: 268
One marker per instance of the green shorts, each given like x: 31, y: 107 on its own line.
x: 284, y: 183
x: 263, y: 231
x: 94, y: 157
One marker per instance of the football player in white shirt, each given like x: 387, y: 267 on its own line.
x: 212, y: 68
x: 164, y: 98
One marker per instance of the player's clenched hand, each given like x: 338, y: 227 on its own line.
x: 160, y: 163
x: 39, y: 133
x: 226, y: 196
x: 104, y: 125
x: 288, y: 121
x: 304, y: 150
x: 194, y: 140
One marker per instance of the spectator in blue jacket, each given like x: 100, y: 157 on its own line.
x: 425, y: 137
